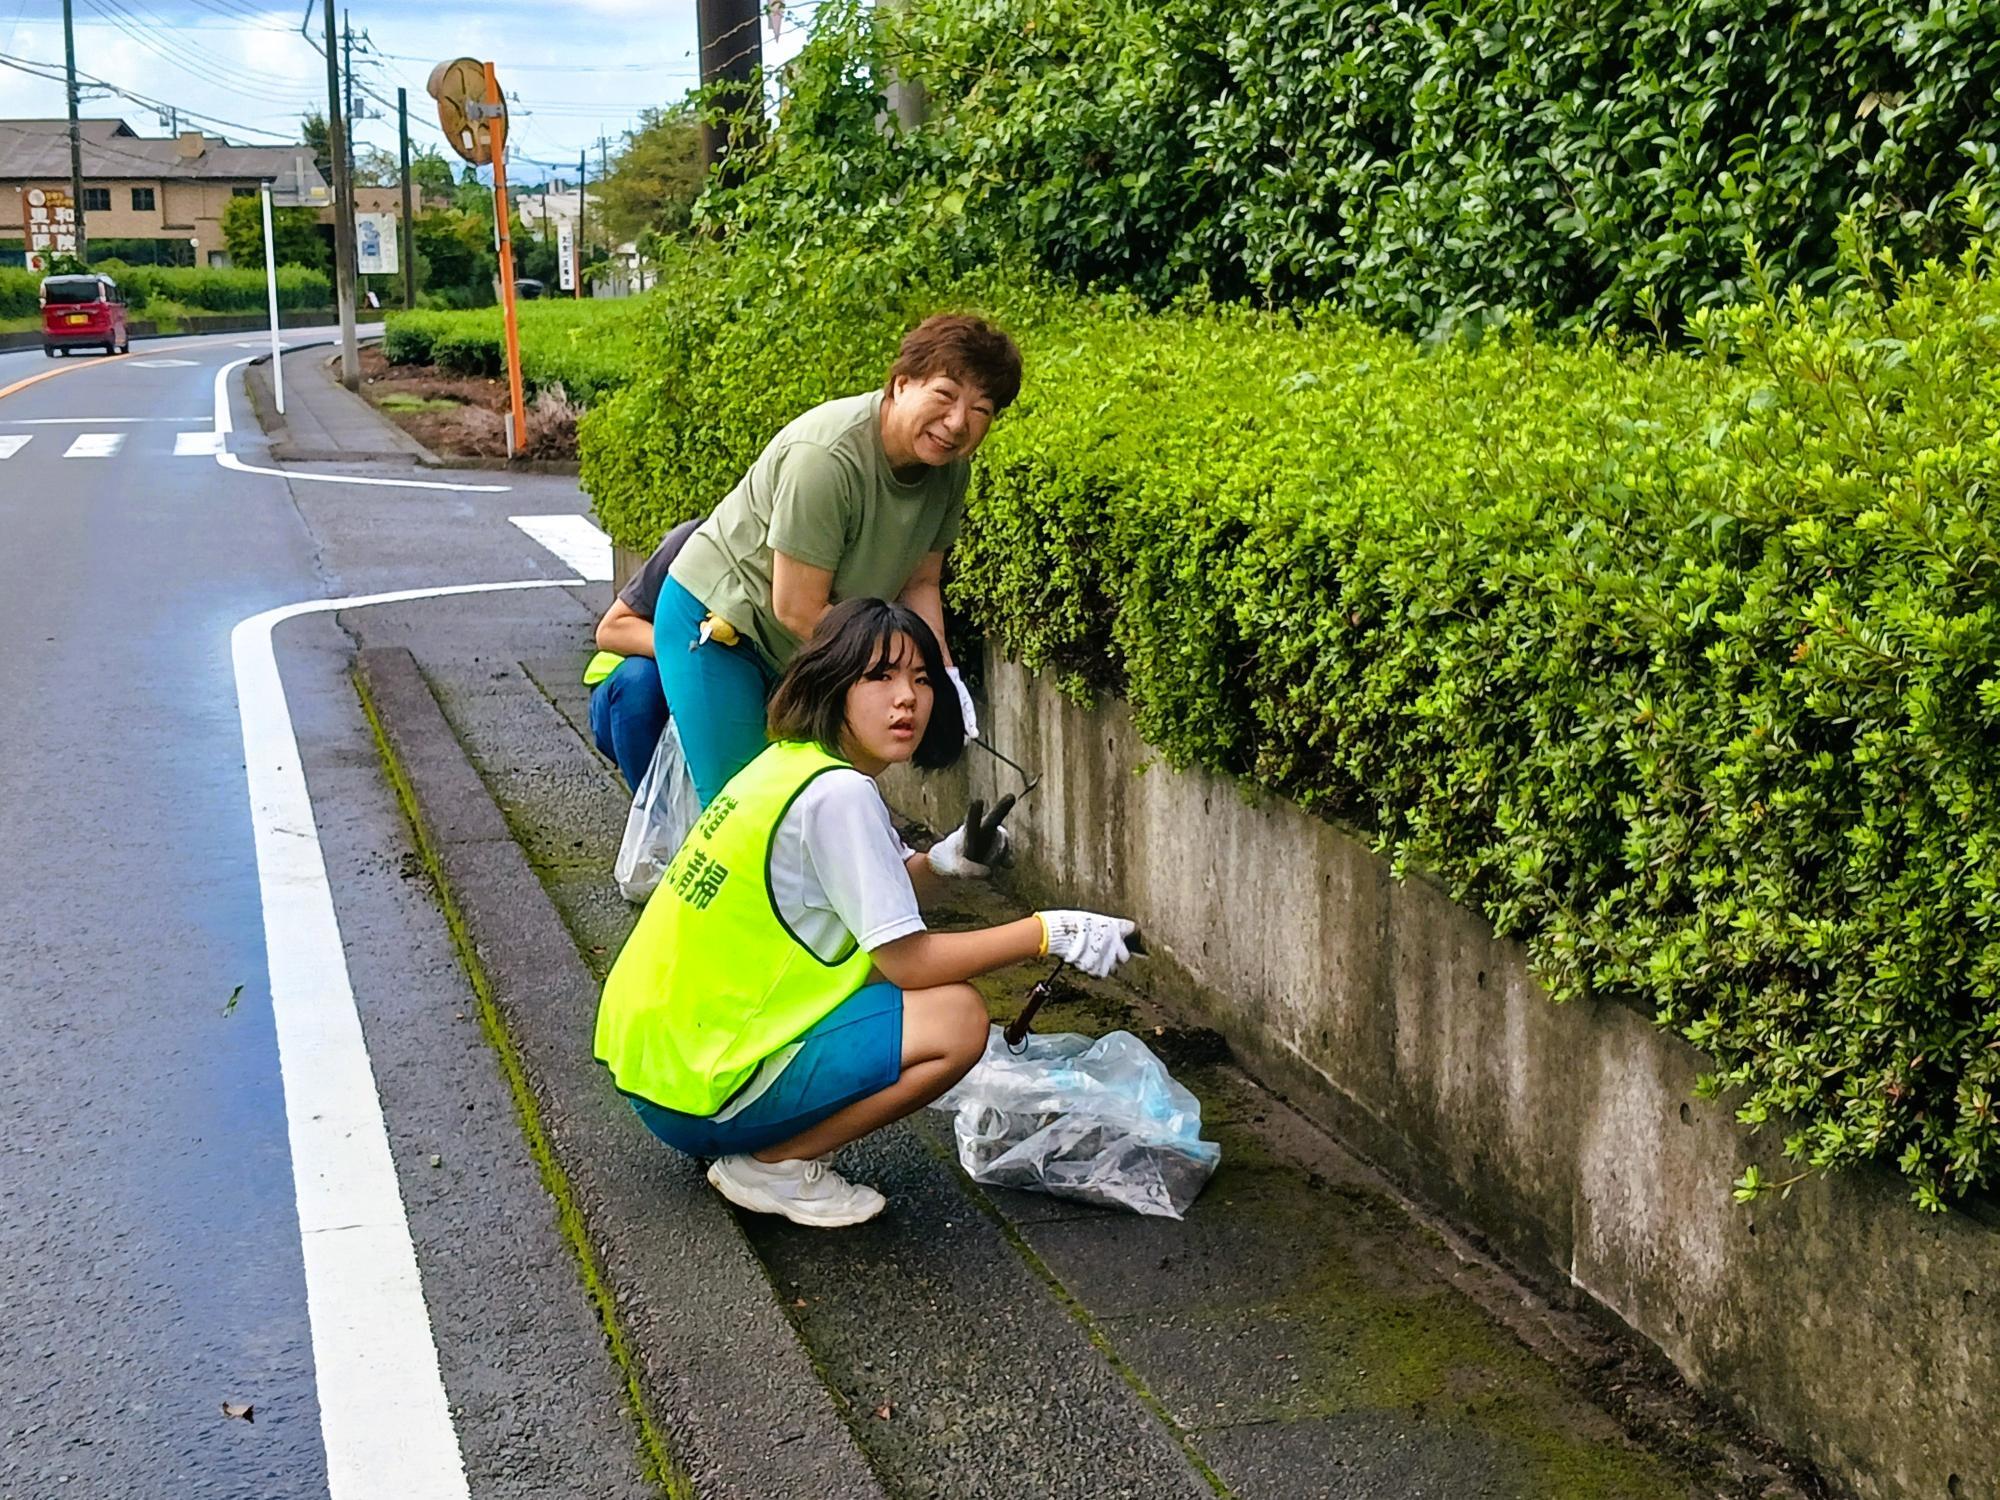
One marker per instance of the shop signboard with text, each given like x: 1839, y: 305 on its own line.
x: 48, y: 225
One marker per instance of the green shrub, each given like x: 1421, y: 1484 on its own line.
x: 1428, y: 164
x: 20, y: 292
x: 220, y: 290
x: 200, y: 288
x: 1680, y: 666
x: 586, y: 346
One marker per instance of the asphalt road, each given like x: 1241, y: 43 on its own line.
x: 168, y: 1173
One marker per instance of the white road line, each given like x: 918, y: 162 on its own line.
x: 575, y: 540
x: 95, y: 445
x: 14, y: 442
x: 197, y: 444
x: 225, y: 424
x: 384, y: 1416
x: 91, y: 421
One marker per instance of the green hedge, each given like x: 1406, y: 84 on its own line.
x: 586, y: 345
x: 19, y: 292
x: 209, y: 289
x: 1685, y: 667
x: 1425, y: 163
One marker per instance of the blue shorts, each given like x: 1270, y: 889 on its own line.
x: 857, y: 1050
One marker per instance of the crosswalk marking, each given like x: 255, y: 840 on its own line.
x: 575, y: 540
x: 13, y: 442
x: 197, y: 444
x: 96, y: 445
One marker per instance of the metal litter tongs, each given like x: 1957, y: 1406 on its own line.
x: 1028, y: 783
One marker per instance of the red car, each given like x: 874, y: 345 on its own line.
x: 83, y: 310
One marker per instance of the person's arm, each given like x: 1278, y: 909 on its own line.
x: 924, y: 960
x: 924, y: 593
x: 800, y: 593
x: 924, y: 878
x: 625, y: 630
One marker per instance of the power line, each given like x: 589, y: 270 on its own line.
x: 186, y: 59
x: 56, y: 74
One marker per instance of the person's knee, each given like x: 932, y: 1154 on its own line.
x: 634, y: 686
x: 968, y: 1025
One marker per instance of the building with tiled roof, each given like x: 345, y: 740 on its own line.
x: 170, y: 189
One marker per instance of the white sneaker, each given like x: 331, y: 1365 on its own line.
x: 806, y: 1192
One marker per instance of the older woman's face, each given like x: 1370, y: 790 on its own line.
x: 938, y: 419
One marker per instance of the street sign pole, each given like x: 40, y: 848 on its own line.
x: 271, y: 294
x: 501, y: 217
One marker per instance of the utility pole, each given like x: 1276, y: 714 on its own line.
x: 732, y: 55
x: 582, y: 178
x: 75, y: 136
x: 343, y: 213
x: 347, y: 63
x: 409, y: 224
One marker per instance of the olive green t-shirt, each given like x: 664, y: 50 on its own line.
x: 822, y: 492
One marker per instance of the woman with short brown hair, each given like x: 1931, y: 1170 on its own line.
x: 861, y: 497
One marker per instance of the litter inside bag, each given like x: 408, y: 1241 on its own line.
x: 663, y: 810
x: 1095, y: 1119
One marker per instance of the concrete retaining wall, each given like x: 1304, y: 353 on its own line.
x: 1841, y: 1320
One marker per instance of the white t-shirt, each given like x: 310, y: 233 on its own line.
x: 837, y: 875
x: 837, y: 868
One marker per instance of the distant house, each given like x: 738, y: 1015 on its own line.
x: 169, y: 191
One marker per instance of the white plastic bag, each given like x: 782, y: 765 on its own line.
x: 1099, y: 1120
x: 663, y: 810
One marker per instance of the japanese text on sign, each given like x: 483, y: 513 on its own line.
x: 48, y: 222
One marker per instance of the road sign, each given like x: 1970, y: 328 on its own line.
x: 48, y: 223
x: 566, y: 253
x: 375, y: 244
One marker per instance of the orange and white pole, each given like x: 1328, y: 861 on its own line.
x: 502, y: 217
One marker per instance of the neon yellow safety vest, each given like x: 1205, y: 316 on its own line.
x: 712, y: 981
x: 600, y: 667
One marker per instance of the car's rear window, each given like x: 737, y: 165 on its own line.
x: 60, y: 292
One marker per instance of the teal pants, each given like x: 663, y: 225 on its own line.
x: 716, y: 693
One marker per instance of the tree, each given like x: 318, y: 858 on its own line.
x: 431, y: 173
x: 653, y: 180
x: 313, y: 131
x: 374, y: 167
x: 296, y: 234
x: 472, y: 196
x: 456, y: 252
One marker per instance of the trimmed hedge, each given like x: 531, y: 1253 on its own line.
x: 1428, y: 164
x: 1685, y: 667
x: 587, y: 346
x: 207, y: 288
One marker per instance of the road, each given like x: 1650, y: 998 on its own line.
x: 213, y: 1190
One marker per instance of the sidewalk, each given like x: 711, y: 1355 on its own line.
x: 1303, y: 1333
x: 323, y: 421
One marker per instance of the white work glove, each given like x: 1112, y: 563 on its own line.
x: 964, y: 705
x: 1088, y: 941
x: 976, y: 845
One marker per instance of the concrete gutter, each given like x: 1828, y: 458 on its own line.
x: 729, y: 1401
x: 1839, y: 1319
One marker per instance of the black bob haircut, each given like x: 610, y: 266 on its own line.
x: 852, y: 639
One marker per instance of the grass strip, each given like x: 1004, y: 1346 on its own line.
x: 656, y: 1452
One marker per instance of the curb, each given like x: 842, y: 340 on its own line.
x: 723, y: 1391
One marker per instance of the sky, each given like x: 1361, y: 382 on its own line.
x: 573, y: 70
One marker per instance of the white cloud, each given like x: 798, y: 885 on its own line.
x: 629, y: 55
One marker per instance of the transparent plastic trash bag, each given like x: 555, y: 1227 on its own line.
x: 663, y: 810
x: 1099, y: 1120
